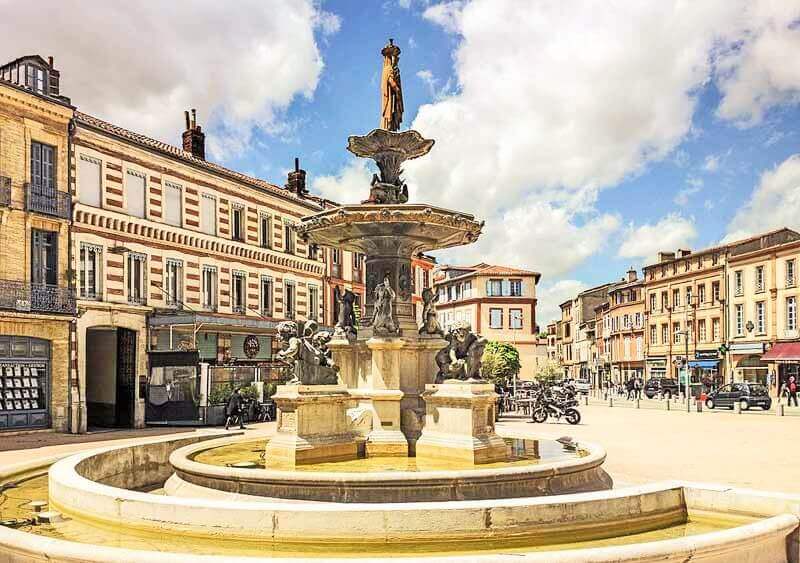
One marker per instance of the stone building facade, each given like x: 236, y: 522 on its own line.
x: 37, y: 303
x: 623, y: 328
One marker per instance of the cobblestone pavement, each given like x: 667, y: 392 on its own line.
x: 760, y: 451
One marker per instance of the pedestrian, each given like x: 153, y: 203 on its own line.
x: 233, y: 410
x: 791, y: 389
x: 629, y: 383
x: 637, y: 387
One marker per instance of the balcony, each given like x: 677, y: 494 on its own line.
x: 5, y: 191
x: 25, y: 297
x: 47, y: 200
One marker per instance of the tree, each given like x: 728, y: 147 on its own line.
x: 500, y: 362
x: 549, y: 373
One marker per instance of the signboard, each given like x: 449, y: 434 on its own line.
x: 251, y: 346
x: 747, y: 348
x: 706, y: 355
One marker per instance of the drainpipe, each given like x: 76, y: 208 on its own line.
x: 74, y: 410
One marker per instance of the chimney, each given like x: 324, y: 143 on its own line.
x: 631, y: 275
x: 666, y: 256
x: 297, y: 180
x: 194, y: 140
x: 50, y: 61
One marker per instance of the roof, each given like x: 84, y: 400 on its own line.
x: 189, y: 158
x: 783, y: 351
x: 484, y: 269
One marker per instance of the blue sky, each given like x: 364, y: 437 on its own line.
x: 589, y: 135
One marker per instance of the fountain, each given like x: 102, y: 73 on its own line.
x: 386, y: 443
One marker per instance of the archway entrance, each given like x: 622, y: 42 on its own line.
x: 110, y: 376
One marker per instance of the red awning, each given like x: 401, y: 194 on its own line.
x: 783, y: 351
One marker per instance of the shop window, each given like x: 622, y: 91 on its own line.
x: 24, y: 382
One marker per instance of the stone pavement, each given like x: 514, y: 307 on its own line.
x: 645, y: 445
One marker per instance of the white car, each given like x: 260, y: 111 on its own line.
x: 582, y: 386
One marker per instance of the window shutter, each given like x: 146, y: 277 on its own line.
x: 208, y: 215
x: 90, y: 185
x: 506, y: 285
x: 489, y: 288
x: 172, y: 204
x: 135, y: 197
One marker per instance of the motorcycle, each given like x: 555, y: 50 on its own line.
x: 548, y: 404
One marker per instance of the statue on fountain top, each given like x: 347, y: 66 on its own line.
x: 391, y: 88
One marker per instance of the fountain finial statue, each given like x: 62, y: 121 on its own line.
x: 391, y: 88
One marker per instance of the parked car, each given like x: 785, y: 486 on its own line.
x: 668, y: 387
x: 582, y: 386
x: 746, y: 394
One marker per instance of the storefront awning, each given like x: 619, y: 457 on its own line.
x: 783, y: 351
x: 704, y: 364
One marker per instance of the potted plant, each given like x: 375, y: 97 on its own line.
x: 217, y: 401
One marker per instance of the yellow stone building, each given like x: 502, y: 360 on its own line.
x: 37, y: 303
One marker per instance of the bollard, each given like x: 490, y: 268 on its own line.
x: 637, y: 403
x: 586, y: 401
x: 668, y: 402
x: 611, y: 401
x: 737, y: 406
x: 688, y: 404
x: 779, y: 410
x: 699, y: 406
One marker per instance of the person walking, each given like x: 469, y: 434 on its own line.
x: 233, y: 409
x: 637, y: 387
x: 791, y: 392
x: 629, y: 383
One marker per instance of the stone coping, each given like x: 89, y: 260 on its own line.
x: 772, y: 539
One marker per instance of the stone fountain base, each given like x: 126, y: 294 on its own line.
x: 459, y: 424
x: 312, y: 426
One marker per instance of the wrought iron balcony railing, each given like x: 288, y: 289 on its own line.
x: 21, y: 296
x: 5, y: 191
x: 47, y: 200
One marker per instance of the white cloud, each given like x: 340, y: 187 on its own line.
x: 774, y: 203
x: 427, y: 77
x: 446, y: 14
x: 683, y: 195
x: 140, y: 65
x: 711, y: 163
x: 645, y: 241
x: 551, y: 295
x: 351, y: 185
x: 761, y: 70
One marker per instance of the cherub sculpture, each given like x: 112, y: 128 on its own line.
x: 461, y: 358
x: 306, y: 357
x: 430, y: 322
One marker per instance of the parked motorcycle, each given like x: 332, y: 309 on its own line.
x: 555, y: 404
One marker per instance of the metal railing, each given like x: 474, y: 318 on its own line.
x: 47, y: 200
x: 5, y: 191
x: 21, y: 296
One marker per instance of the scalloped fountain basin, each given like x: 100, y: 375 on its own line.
x: 534, y: 468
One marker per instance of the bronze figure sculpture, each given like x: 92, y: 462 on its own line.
x: 391, y: 89
x: 461, y: 358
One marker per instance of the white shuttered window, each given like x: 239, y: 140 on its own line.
x: 135, y: 185
x: 208, y: 214
x: 173, y: 204
x: 90, y: 184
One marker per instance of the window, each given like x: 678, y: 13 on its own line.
x: 288, y: 237
x: 701, y: 330
x: 759, y: 278
x: 426, y: 282
x: 791, y: 313
x: 35, y: 79
x: 738, y: 282
x: 90, y: 183
x: 495, y: 318
x: 494, y: 288
x: 173, y: 282
x: 515, y: 318
x: 43, y: 169
x: 358, y: 263
x: 715, y: 292
x: 135, y: 196
x: 638, y: 320
x: 715, y: 329
x: 173, y: 204
x: 740, y: 319
x: 91, y: 259
x: 653, y: 334
x: 238, y: 289
x: 789, y: 273
x: 313, y: 251
x: 676, y: 333
x: 208, y: 214
x: 689, y: 296
x: 676, y: 297
x: 266, y: 295
x: 664, y: 334
x: 686, y: 265
x: 701, y: 293
x: 237, y: 222
x: 714, y: 259
x: 313, y: 302
x: 761, y: 321
x: 449, y: 292
x: 516, y: 288
x: 264, y: 230
x: 137, y: 266
x: 44, y: 257
x: 664, y: 300
x: 289, y: 299
x: 209, y: 288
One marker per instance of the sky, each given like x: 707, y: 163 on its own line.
x: 588, y: 135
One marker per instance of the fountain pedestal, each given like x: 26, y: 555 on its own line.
x: 459, y: 424
x: 312, y: 426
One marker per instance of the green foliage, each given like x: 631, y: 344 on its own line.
x: 269, y: 390
x: 220, y: 394
x: 500, y: 362
x: 249, y: 393
x: 549, y: 373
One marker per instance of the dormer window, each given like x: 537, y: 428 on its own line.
x: 35, y: 78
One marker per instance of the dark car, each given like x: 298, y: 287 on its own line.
x: 746, y: 394
x: 668, y: 387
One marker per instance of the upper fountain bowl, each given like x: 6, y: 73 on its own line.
x: 410, y: 144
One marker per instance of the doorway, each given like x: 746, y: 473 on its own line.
x: 110, y: 377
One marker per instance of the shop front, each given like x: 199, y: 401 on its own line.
x: 783, y: 360
x: 704, y: 370
x: 24, y: 383
x: 656, y: 366
x: 747, y: 364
